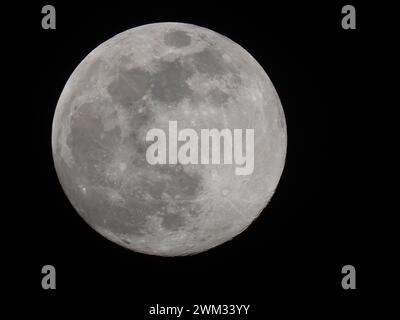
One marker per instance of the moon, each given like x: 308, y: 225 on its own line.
x: 141, y: 79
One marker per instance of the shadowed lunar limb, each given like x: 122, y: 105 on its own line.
x: 141, y: 79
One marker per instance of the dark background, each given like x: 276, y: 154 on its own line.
x: 337, y: 92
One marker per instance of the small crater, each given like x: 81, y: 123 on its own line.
x: 225, y: 192
x: 122, y: 166
x: 83, y: 189
x: 177, y: 38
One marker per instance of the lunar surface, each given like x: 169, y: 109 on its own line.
x: 141, y: 79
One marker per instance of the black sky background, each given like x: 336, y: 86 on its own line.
x: 337, y: 92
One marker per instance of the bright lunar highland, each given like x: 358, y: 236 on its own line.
x: 150, y: 77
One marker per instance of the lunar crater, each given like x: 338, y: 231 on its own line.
x: 177, y: 38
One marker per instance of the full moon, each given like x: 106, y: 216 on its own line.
x: 149, y: 77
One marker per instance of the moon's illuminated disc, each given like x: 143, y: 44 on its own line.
x: 149, y: 77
